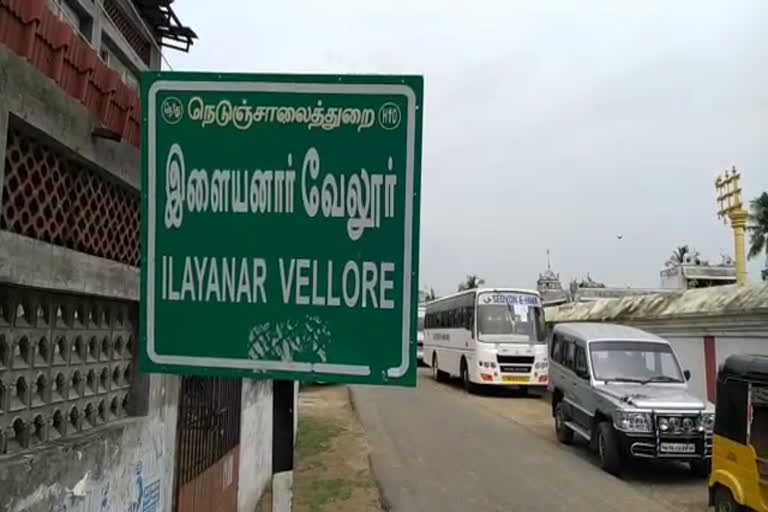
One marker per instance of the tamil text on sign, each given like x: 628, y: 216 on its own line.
x: 280, y: 225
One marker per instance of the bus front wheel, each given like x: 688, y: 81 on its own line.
x: 439, y: 375
x: 469, y: 386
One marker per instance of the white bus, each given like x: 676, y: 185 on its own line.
x: 420, y: 335
x: 492, y: 336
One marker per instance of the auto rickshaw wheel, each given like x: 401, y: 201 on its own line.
x: 724, y: 501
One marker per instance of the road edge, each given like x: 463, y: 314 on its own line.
x: 383, y: 501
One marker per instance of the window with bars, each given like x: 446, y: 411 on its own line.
x: 133, y: 35
x: 208, y: 423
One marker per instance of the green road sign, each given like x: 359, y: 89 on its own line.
x: 280, y: 225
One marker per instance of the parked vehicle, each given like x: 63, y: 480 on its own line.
x: 489, y: 336
x: 739, y: 479
x: 420, y: 335
x: 622, y: 390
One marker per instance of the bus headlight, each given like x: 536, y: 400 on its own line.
x: 633, y: 421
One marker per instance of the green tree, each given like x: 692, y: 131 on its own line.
x: 471, y: 282
x: 684, y: 254
x: 430, y: 295
x: 757, y: 226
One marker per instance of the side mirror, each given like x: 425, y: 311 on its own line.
x: 687, y: 375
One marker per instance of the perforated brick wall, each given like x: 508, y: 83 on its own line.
x: 50, y: 197
x: 66, y: 365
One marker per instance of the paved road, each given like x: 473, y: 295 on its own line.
x: 436, y: 449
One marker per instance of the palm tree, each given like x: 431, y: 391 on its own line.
x: 472, y: 282
x: 679, y: 254
x: 757, y: 226
x: 684, y: 254
x: 430, y: 295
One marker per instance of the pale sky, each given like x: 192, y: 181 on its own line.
x: 547, y: 124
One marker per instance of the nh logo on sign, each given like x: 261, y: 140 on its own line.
x: 389, y: 116
x: 171, y: 110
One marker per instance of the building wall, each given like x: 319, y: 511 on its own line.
x: 115, y: 466
x: 690, y: 352
x: 108, y: 470
x: 255, y: 443
x: 702, y: 344
x: 127, y: 463
x: 705, y: 326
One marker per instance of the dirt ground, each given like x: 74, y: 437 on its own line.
x: 332, y: 471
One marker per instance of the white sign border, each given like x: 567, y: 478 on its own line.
x: 287, y: 87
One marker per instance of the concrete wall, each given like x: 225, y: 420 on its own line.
x: 705, y: 326
x: 690, y: 352
x: 111, y: 467
x: 255, y: 443
x: 107, y: 470
x: 703, y: 343
x: 116, y: 466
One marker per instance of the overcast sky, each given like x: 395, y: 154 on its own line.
x: 553, y: 125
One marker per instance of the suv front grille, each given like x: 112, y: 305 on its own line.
x: 515, y: 359
x: 678, y: 425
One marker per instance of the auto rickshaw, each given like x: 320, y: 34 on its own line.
x: 739, y: 478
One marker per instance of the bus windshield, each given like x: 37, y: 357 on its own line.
x: 507, y: 322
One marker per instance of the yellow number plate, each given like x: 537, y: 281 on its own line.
x: 515, y: 380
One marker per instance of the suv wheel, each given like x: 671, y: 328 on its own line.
x: 701, y: 468
x: 608, y: 448
x: 564, y: 434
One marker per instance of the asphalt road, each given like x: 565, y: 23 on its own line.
x: 437, y: 449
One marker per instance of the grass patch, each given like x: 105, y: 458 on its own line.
x: 322, y: 492
x: 315, y: 435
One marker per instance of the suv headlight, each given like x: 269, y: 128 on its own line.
x: 633, y: 421
x: 707, y: 421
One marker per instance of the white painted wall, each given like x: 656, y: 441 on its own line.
x: 255, y: 443
x: 128, y: 467
x: 103, y: 474
x: 689, y: 347
x: 690, y: 352
x: 728, y: 345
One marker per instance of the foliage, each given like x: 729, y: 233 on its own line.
x: 430, y: 295
x: 757, y: 226
x: 679, y: 254
x: 471, y: 282
x: 685, y: 255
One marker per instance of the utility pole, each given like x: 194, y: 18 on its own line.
x: 730, y: 208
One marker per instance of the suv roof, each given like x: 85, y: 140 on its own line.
x: 589, y: 331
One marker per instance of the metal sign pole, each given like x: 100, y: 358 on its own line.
x: 282, y: 445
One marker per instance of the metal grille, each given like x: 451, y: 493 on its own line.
x: 66, y: 365
x: 135, y: 38
x: 209, y: 423
x: 51, y: 198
